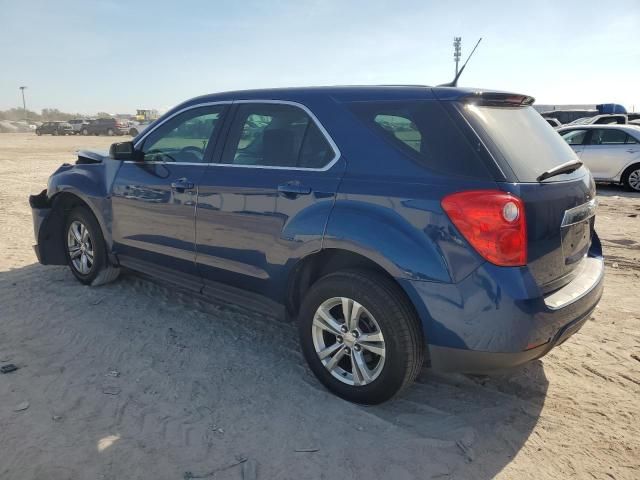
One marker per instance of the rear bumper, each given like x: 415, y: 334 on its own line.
x: 446, y: 359
x: 498, y: 318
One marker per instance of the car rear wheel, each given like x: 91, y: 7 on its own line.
x: 360, y: 336
x: 55, y: 133
x: 110, y: 132
x: 85, y: 132
x: 85, y: 249
x: 631, y: 178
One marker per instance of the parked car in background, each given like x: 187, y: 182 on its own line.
x: 568, y: 116
x: 105, y: 126
x: 607, y: 119
x: 78, y: 124
x: 137, y: 128
x: 612, y: 152
x: 555, y: 123
x: 54, y: 128
x: 395, y: 223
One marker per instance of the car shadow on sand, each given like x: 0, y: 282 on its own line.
x: 199, y: 382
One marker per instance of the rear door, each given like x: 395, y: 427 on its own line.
x: 154, y: 200
x: 606, y: 152
x: 267, y: 200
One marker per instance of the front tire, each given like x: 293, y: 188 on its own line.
x: 85, y: 249
x: 631, y: 178
x: 372, y: 355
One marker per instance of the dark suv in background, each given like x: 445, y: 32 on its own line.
x: 55, y: 128
x: 105, y: 126
x: 396, y: 225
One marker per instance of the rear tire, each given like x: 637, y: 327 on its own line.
x: 631, y: 178
x: 110, y: 132
x: 85, y: 249
x: 384, y: 317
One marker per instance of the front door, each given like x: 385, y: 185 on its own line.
x: 154, y: 200
x: 267, y: 201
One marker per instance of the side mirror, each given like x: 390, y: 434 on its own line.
x: 125, y: 151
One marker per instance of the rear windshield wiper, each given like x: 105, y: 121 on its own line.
x: 568, y: 167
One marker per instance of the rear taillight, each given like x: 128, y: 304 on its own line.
x: 493, y: 222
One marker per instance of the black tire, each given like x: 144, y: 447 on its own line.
x: 404, y: 342
x: 39, y: 133
x: 100, y: 272
x: 133, y: 132
x: 85, y: 132
x: 627, y: 181
x: 110, y: 132
x: 55, y: 133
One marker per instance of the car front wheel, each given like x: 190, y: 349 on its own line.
x: 360, y: 336
x: 85, y: 249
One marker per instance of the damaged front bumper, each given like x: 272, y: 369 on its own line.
x: 47, y: 228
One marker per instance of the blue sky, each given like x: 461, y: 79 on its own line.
x: 114, y: 56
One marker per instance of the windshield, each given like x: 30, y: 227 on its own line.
x: 521, y: 138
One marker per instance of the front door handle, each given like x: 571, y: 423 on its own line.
x: 293, y: 189
x: 181, y: 185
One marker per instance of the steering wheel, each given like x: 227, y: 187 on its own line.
x: 199, y: 152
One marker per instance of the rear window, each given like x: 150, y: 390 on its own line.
x: 520, y: 139
x: 424, y: 131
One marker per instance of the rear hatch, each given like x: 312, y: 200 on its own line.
x: 559, y: 209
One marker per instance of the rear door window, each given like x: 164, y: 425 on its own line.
x: 424, y: 131
x: 276, y: 135
x: 608, y: 136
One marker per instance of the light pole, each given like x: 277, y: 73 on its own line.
x: 24, y: 104
x: 457, y: 51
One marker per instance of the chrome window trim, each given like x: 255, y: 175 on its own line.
x: 336, y: 150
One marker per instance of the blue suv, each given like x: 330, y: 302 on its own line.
x: 397, y: 225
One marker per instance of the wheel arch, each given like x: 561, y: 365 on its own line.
x: 51, y: 233
x: 311, y: 268
x: 628, y: 169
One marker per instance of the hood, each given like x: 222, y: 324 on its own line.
x: 91, y: 156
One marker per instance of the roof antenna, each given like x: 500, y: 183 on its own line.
x: 454, y: 83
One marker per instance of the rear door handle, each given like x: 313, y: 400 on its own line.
x: 293, y: 189
x: 631, y: 150
x: 181, y: 185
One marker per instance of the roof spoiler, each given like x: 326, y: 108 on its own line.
x: 498, y: 99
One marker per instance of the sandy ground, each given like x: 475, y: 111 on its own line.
x: 133, y: 380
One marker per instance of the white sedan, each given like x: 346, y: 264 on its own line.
x: 611, y: 152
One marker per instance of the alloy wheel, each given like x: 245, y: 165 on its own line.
x: 348, y: 341
x: 80, y: 247
x: 634, y: 179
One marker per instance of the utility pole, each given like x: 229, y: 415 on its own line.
x: 24, y: 104
x: 457, y: 51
